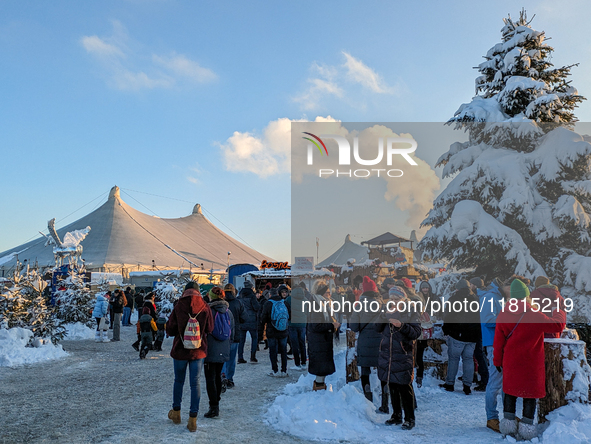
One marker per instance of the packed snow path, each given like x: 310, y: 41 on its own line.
x: 103, y: 393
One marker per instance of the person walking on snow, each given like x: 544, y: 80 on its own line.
x: 275, y: 315
x: 218, y: 348
x: 237, y: 310
x: 297, y: 325
x: 100, y: 313
x: 189, y: 306
x: 250, y: 324
x: 519, y: 340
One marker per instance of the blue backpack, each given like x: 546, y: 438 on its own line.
x: 221, y: 326
x: 279, y: 315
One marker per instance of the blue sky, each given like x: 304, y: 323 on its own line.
x: 182, y: 99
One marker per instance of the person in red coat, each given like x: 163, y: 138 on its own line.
x: 519, y: 354
x: 190, y: 303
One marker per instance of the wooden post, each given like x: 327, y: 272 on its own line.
x: 351, y: 356
x: 567, y: 375
x: 437, y: 359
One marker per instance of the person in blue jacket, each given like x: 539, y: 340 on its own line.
x: 490, y: 302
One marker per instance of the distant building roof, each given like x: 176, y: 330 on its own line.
x: 385, y: 239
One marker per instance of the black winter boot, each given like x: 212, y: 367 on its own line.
x: 394, y: 420
x: 213, y: 412
x: 367, y: 392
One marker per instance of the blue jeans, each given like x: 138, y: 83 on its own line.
x: 280, y: 343
x: 253, y: 345
x: 230, y: 366
x: 180, y: 371
x: 126, y: 315
x: 456, y: 350
x: 298, y: 344
x: 493, y: 388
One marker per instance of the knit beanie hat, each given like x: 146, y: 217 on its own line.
x: 216, y: 293
x: 541, y: 280
x: 192, y: 284
x: 230, y: 288
x: 424, y: 284
x: 247, y: 284
x: 462, y: 283
x: 519, y: 290
x: 321, y: 290
x: 396, y: 293
x: 369, y: 285
x: 388, y: 281
x: 477, y: 282
x: 407, y: 282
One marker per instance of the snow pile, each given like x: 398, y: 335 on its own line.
x: 14, y: 350
x: 78, y: 331
x: 339, y: 413
x: 570, y: 424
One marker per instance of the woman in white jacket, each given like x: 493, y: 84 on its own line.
x: 100, y: 311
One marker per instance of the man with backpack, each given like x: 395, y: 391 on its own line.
x: 218, y: 348
x: 276, y: 315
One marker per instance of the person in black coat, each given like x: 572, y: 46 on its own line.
x: 250, y: 324
x: 368, y: 340
x: 463, y: 330
x: 320, y: 331
x: 276, y: 338
x: 399, y: 331
x: 237, y: 310
x: 218, y: 351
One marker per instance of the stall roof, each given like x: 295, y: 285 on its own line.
x: 385, y: 239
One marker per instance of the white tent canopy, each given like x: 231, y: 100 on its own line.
x: 349, y: 250
x: 122, y: 237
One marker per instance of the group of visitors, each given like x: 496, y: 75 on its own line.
x: 210, y: 332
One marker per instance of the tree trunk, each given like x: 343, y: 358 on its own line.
x: 352, y: 369
x: 437, y: 358
x: 567, y: 375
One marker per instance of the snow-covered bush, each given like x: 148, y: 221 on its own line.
x: 167, y: 292
x: 75, y: 303
x: 22, y: 304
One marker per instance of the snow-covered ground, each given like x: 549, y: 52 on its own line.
x: 103, y: 393
x: 343, y: 414
x: 13, y: 350
x: 78, y: 331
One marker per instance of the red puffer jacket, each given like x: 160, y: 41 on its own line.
x: 191, y: 303
x: 522, y: 355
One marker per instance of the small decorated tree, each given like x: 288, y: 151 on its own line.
x: 75, y: 303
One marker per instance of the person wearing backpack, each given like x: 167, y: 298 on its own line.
x: 119, y: 302
x: 189, y: 324
x: 250, y: 324
x: 276, y: 315
x: 218, y: 349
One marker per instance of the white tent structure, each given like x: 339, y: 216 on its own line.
x: 123, y: 239
x: 349, y: 250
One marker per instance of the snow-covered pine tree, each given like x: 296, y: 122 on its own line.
x: 75, y: 303
x: 520, y: 201
x: 22, y: 304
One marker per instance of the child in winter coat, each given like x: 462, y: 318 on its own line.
x: 100, y: 313
x: 519, y: 354
x: 146, y: 327
x: 161, y: 325
x: 395, y: 360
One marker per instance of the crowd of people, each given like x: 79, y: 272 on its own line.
x: 210, y: 332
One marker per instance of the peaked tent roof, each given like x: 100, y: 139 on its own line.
x: 122, y: 236
x: 385, y: 239
x: 349, y: 250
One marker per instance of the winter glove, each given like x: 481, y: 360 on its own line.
x: 499, y: 368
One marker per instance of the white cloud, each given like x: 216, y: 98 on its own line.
x: 128, y: 69
x: 265, y: 155
x: 181, y: 65
x: 336, y: 82
x: 363, y: 74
